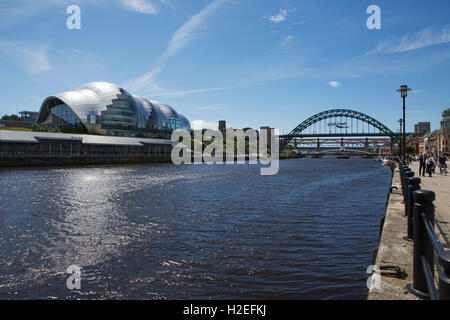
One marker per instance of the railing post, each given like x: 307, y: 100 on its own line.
x: 408, y: 174
x: 422, y: 243
x: 403, y: 179
x: 413, y: 185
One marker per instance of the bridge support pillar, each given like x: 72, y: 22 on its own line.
x: 295, y: 143
x: 366, y: 145
x: 318, y: 144
x: 342, y: 144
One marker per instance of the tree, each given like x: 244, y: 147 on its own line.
x: 410, y: 149
x: 12, y: 117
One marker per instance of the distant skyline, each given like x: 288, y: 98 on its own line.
x: 252, y: 63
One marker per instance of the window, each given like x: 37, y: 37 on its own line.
x: 63, y: 115
x: 174, y: 123
x: 119, y: 118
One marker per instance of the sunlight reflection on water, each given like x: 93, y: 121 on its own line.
x: 177, y: 232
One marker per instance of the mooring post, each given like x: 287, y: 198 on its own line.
x: 408, y: 174
x: 413, y: 185
x: 406, y: 169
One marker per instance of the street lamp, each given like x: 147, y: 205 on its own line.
x: 404, y: 92
x: 400, y: 121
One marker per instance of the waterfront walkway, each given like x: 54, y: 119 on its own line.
x: 393, y: 248
x: 441, y: 186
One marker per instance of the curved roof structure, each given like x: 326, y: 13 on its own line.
x: 106, y: 108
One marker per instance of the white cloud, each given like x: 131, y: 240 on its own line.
x: 287, y: 41
x: 184, y: 93
x: 211, y: 107
x: 141, y: 6
x: 281, y: 16
x: 301, y: 22
x: 335, y: 84
x: 22, y: 10
x: 31, y: 56
x: 186, y: 33
x: 200, y: 125
x: 179, y: 41
x: 424, y: 38
x: 168, y: 3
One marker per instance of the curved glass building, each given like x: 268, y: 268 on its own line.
x: 107, y: 109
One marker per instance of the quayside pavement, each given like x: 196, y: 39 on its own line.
x: 393, y: 249
x: 441, y: 186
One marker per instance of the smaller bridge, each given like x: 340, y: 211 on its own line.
x: 338, y: 152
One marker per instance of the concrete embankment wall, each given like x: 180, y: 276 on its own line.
x: 393, y: 249
x: 27, y: 162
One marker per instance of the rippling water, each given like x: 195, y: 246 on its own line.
x: 191, y: 232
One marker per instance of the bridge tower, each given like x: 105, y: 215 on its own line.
x: 342, y: 144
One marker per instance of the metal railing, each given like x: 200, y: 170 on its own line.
x: 420, y: 211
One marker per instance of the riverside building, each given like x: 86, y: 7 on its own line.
x: 104, y: 108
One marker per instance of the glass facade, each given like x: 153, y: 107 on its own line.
x: 120, y: 118
x: 107, y: 109
x: 63, y: 115
x: 174, y: 123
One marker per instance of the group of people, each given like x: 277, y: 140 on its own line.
x: 428, y: 163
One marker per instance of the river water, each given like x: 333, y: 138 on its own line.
x: 191, y: 232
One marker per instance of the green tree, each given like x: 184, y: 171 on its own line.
x: 12, y: 117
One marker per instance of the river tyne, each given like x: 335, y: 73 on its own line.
x: 192, y: 231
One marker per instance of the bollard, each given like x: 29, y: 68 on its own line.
x: 444, y: 276
x: 403, y: 172
x: 413, y: 185
x: 408, y: 174
x: 422, y: 243
x: 403, y: 168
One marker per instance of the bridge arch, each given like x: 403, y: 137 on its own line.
x: 336, y: 113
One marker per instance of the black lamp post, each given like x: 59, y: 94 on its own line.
x: 404, y: 92
x: 400, y: 121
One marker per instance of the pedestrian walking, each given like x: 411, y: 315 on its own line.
x: 429, y: 166
x: 422, y: 164
x: 435, y: 161
x: 442, y: 165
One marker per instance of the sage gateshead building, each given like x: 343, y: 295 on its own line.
x: 106, y: 109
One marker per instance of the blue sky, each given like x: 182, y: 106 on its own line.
x: 250, y: 62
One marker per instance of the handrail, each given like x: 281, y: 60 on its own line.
x: 429, y: 278
x: 426, y: 245
x: 432, y: 235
